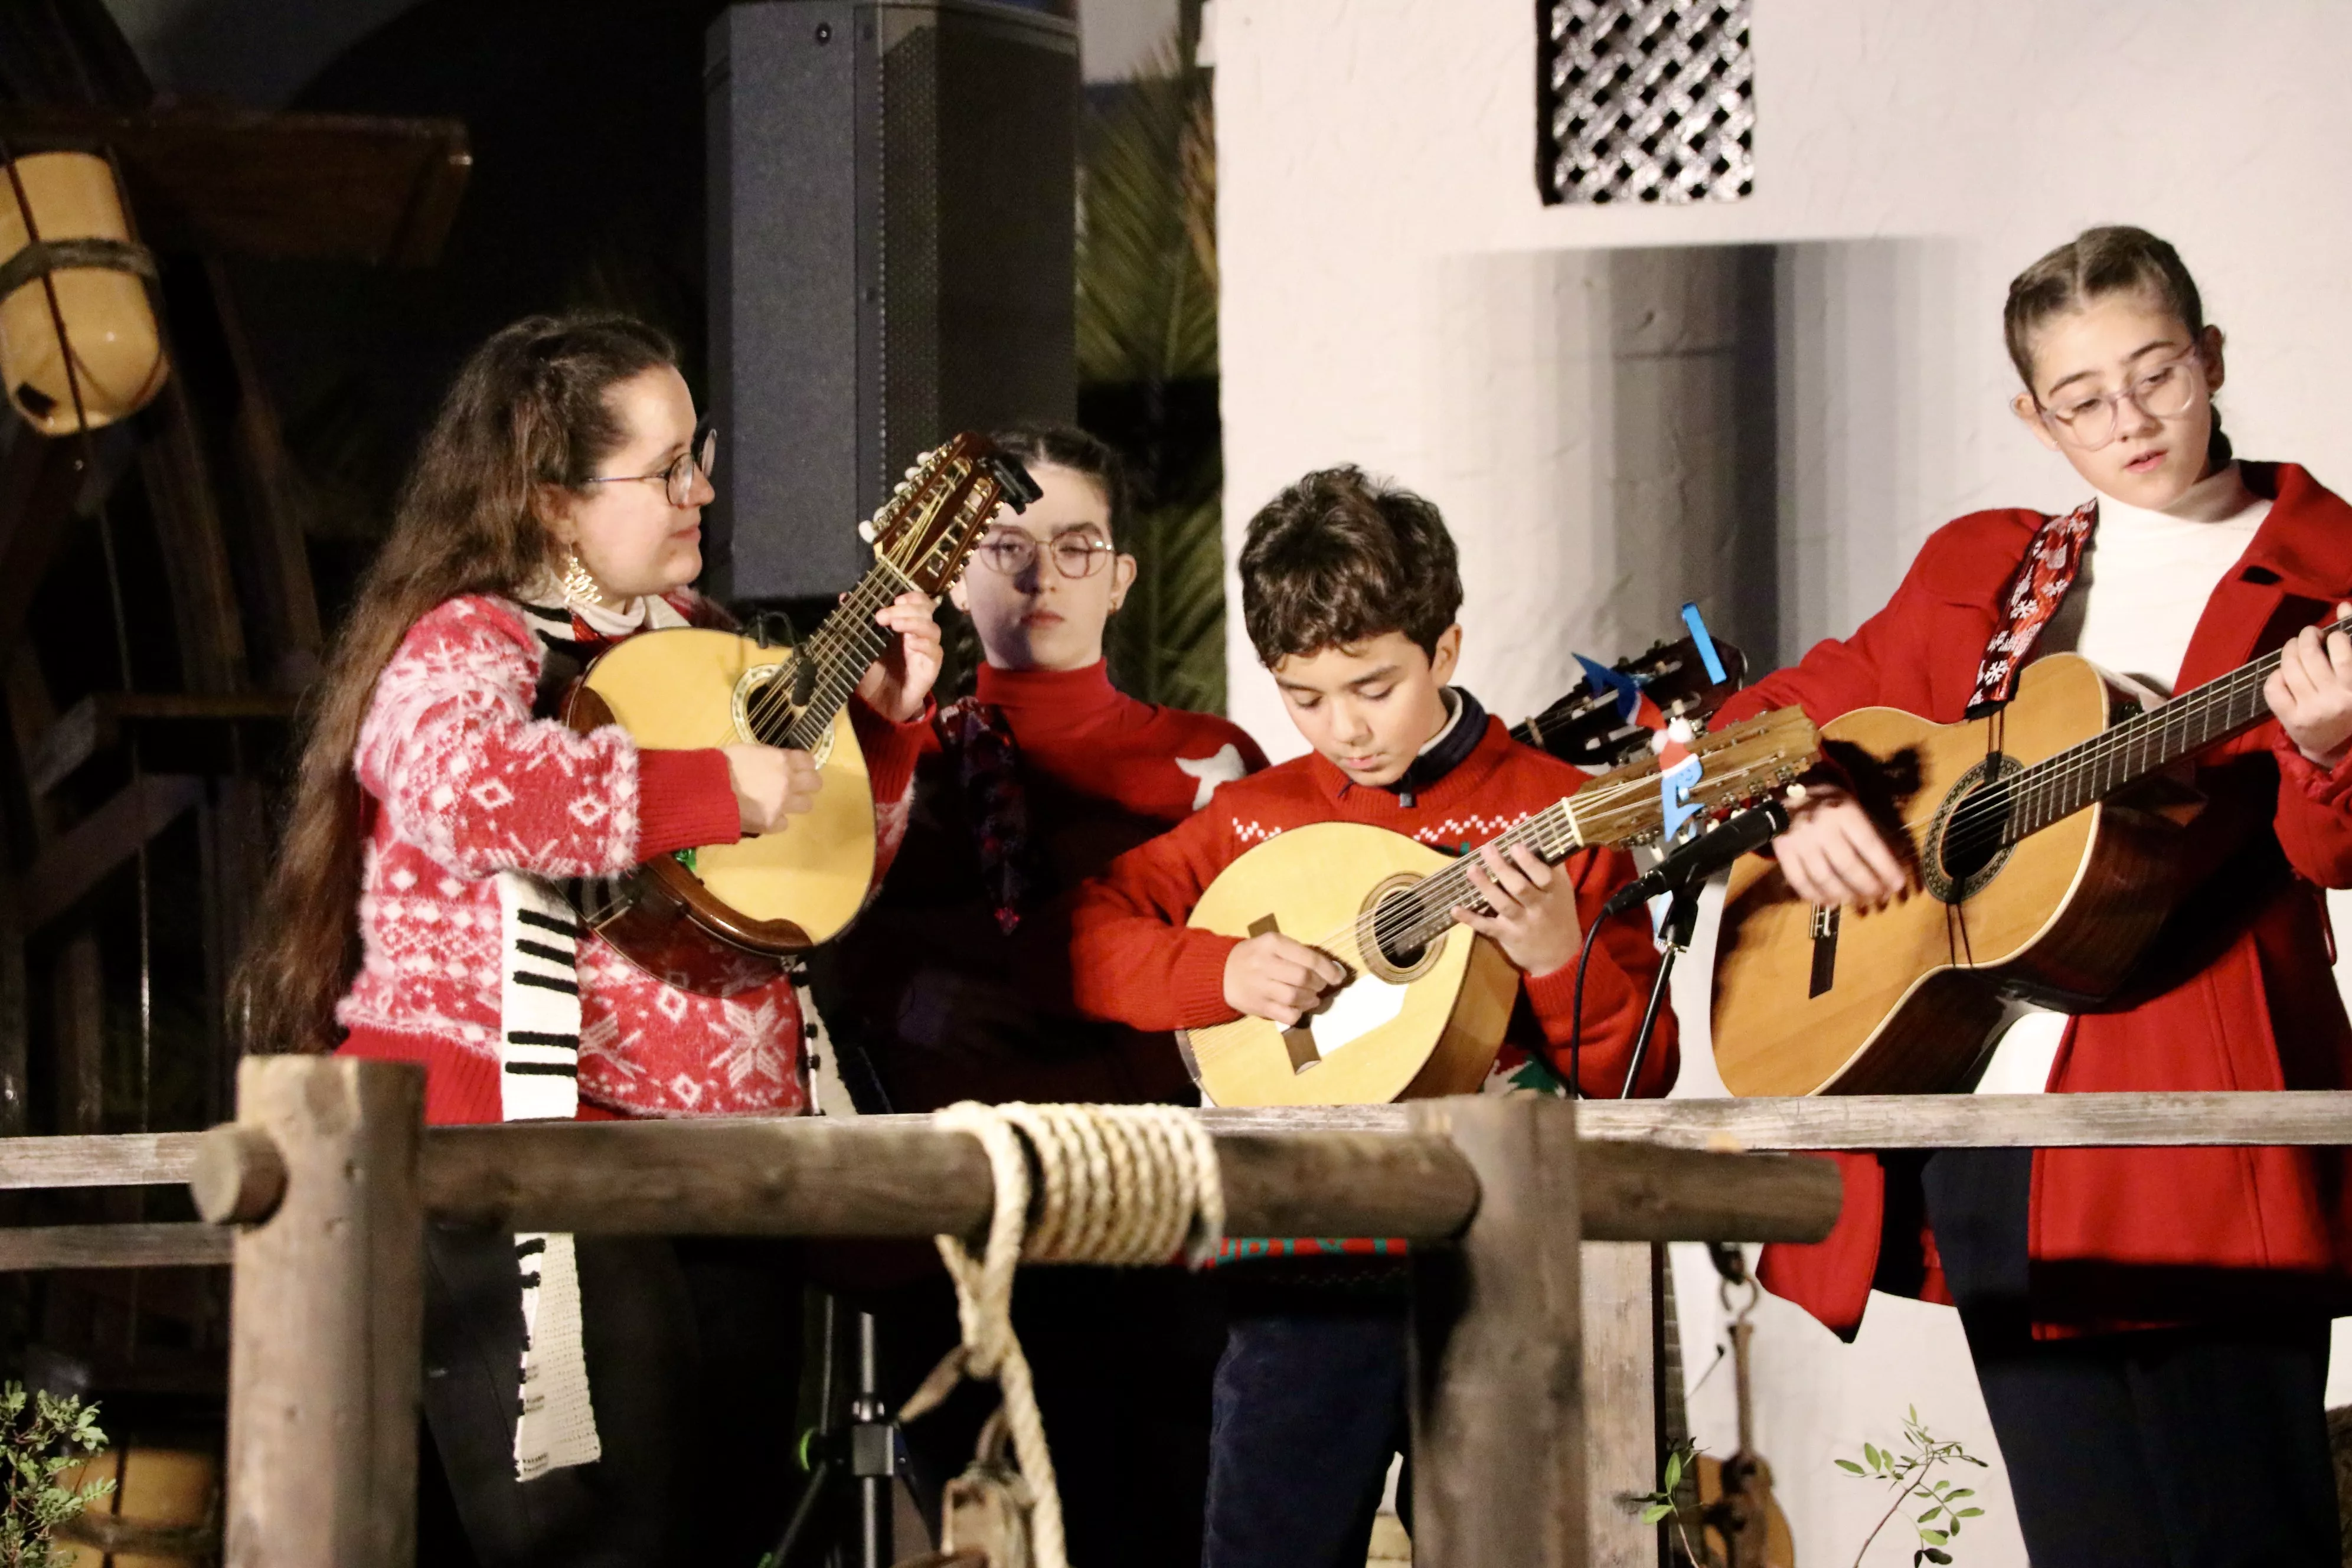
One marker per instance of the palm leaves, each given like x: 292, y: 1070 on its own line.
x: 1147, y: 341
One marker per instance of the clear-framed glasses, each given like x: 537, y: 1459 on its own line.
x: 1074, y: 555
x: 677, y: 480
x: 2164, y: 392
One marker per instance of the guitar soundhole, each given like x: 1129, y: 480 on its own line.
x: 1389, y: 954
x: 765, y: 710
x: 1968, y: 842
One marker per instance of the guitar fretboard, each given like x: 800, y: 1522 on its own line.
x: 2060, y: 785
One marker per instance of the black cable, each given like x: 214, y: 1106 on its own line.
x: 1576, y: 1020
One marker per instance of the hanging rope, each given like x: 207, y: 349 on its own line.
x: 1133, y: 1185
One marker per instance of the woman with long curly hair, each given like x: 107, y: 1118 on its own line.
x: 554, y: 509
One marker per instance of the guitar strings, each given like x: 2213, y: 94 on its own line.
x: 1994, y: 812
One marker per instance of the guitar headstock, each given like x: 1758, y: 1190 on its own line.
x: 1738, y: 765
x: 926, y: 530
x: 1584, y: 727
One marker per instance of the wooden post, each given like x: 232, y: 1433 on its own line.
x: 1499, y: 1473
x: 1620, y: 1413
x: 327, y: 1326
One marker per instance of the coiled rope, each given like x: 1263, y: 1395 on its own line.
x: 1133, y: 1185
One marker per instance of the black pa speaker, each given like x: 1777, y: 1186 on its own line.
x: 893, y: 208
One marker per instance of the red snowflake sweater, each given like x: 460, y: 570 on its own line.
x: 463, y: 782
x: 1134, y: 960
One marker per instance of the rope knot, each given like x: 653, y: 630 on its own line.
x: 1129, y: 1185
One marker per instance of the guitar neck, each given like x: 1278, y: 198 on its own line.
x: 2060, y: 785
x: 1410, y: 921
x: 834, y: 659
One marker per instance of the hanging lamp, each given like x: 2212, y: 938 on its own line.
x: 73, y: 271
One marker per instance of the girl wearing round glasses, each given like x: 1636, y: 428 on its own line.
x: 955, y: 983
x: 555, y: 507
x: 2150, y: 1326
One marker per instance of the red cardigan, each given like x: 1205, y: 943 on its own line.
x: 2123, y: 1236
x: 1132, y: 959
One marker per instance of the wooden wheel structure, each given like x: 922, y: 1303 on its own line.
x: 158, y: 626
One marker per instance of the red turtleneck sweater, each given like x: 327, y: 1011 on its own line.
x: 948, y: 1007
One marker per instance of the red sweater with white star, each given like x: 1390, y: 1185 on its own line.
x: 946, y: 1004
x: 1134, y: 960
x: 463, y: 782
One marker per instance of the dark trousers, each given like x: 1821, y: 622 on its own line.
x: 1122, y: 1360
x: 1311, y: 1409
x: 693, y: 1350
x: 2201, y: 1447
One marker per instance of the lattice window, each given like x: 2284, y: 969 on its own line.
x: 1646, y: 101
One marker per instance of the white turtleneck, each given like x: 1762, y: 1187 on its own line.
x: 2135, y: 604
x: 2147, y: 575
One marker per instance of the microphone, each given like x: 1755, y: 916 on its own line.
x: 1710, y: 851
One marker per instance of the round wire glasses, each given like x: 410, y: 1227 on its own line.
x: 677, y: 480
x: 1074, y: 555
x: 2164, y: 392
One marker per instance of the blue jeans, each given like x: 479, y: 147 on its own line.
x: 1309, y: 1410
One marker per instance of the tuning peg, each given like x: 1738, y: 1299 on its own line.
x: 865, y: 530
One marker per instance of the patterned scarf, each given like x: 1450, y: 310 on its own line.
x: 2034, y: 593
x: 978, y: 741
x: 539, y: 1070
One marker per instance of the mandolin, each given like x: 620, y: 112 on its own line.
x: 1423, y: 1009
x: 2039, y: 881
x: 722, y: 918
x: 1584, y: 729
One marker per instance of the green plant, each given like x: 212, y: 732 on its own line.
x: 1147, y: 340
x: 1905, y: 1475
x: 40, y: 1435
x: 1666, y: 1501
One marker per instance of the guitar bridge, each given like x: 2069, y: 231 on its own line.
x: 1297, y: 1039
x: 1825, y: 936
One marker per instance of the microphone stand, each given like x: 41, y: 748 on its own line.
x: 1675, y: 934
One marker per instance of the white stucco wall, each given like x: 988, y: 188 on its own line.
x: 1394, y: 294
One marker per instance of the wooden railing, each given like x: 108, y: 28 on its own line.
x: 1528, y: 1412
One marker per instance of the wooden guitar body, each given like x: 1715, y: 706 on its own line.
x: 1430, y: 1028
x: 1904, y: 998
x: 761, y: 897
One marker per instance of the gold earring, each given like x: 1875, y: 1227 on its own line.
x: 579, y: 582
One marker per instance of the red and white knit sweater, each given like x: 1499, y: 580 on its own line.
x: 463, y: 782
x: 1133, y: 959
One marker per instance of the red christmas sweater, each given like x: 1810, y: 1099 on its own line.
x: 1134, y: 960
x: 463, y: 782
x: 946, y: 1004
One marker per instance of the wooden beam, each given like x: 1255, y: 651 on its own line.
x: 2275, y: 1117
x: 902, y: 1177
x: 67, y: 870
x: 327, y: 1326
x: 2307, y: 1116
x: 287, y: 187
x: 154, y: 1246
x: 179, y: 732
x: 1496, y: 1382
x: 1621, y: 1410
x: 117, y: 1160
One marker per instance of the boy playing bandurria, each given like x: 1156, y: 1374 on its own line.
x: 1350, y: 590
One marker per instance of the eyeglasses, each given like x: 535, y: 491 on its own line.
x: 2164, y: 393
x: 701, y: 455
x: 1074, y: 555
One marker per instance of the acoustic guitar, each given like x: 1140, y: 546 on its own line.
x: 1423, y: 1009
x: 2040, y: 848
x: 1583, y: 728
x: 723, y: 919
